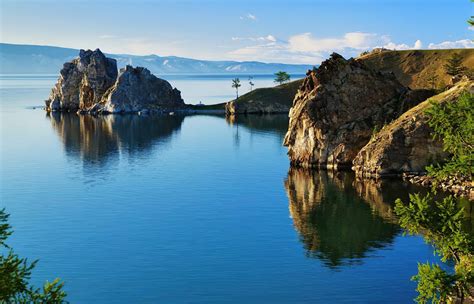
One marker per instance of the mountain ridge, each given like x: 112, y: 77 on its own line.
x: 42, y: 59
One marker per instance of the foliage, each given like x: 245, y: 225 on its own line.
x: 236, y: 84
x: 433, y: 81
x: 440, y: 222
x: 453, y: 123
x: 454, y: 65
x: 15, y: 273
x: 281, y: 77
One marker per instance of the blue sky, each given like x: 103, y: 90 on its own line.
x: 288, y: 31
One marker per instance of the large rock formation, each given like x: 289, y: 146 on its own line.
x: 406, y: 144
x: 337, y: 108
x: 136, y: 89
x: 82, y: 82
x: 89, y: 84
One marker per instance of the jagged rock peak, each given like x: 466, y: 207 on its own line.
x: 336, y: 109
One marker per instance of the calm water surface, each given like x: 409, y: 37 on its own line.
x: 196, y: 209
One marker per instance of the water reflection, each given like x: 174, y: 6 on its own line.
x: 335, y: 224
x: 261, y: 124
x: 96, y: 140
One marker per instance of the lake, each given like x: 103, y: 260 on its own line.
x: 195, y: 209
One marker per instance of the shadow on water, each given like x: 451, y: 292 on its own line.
x: 97, y: 140
x: 335, y: 224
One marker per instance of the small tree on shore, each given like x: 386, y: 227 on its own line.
x: 251, y: 83
x: 282, y: 77
x: 453, y: 66
x: 236, y: 84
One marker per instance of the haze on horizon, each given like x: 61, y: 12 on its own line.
x: 300, y: 31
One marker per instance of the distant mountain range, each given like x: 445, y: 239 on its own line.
x: 36, y: 59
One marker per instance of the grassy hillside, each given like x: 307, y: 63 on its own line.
x: 283, y: 94
x: 414, y: 67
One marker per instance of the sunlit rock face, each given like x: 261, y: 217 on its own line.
x: 97, y: 139
x: 406, y: 144
x: 91, y: 84
x: 334, y: 223
x: 336, y: 110
x: 82, y: 82
x: 137, y: 89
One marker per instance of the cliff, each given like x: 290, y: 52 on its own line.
x: 337, y: 108
x: 91, y: 84
x: 406, y: 144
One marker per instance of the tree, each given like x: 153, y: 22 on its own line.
x: 453, y: 123
x: 251, y: 83
x: 15, y: 273
x: 440, y: 222
x: 236, y: 84
x: 453, y: 66
x: 433, y: 80
x: 281, y: 77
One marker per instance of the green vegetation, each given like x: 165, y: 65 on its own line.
x: 454, y: 66
x: 440, y: 222
x: 453, y: 123
x: 236, y: 84
x: 282, y: 77
x: 15, y: 272
x: 433, y: 81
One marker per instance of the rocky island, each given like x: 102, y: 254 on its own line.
x: 91, y: 84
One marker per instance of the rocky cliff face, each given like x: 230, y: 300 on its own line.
x: 336, y: 110
x: 89, y: 84
x: 82, y: 82
x: 136, y: 89
x: 406, y: 144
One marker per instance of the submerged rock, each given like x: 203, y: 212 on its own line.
x: 89, y: 84
x: 406, y: 144
x: 336, y: 110
x: 82, y: 82
x: 136, y: 89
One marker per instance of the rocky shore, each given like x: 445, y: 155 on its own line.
x: 459, y: 186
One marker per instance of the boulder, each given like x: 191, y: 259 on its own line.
x: 82, y: 82
x: 137, y: 90
x: 336, y: 110
x: 406, y: 144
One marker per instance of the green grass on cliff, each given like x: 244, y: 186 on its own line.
x: 413, y: 68
x: 283, y: 94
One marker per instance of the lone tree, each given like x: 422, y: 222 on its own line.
x: 251, y: 83
x: 454, y: 65
x: 281, y: 77
x: 236, y: 84
x: 15, y: 273
x: 433, y: 81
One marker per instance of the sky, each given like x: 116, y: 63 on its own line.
x: 290, y: 31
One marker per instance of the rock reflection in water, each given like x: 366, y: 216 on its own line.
x: 98, y: 139
x: 275, y: 124
x: 335, y: 224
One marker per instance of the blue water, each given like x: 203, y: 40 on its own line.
x: 192, y: 209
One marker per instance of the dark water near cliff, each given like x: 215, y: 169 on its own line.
x: 195, y: 209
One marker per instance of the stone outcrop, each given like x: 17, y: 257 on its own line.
x: 91, y: 84
x: 136, y: 90
x: 406, y: 144
x: 82, y: 82
x: 337, y: 108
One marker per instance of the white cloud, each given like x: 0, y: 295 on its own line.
x: 418, y: 44
x: 471, y: 28
x: 458, y: 44
x: 270, y: 38
x: 249, y: 16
